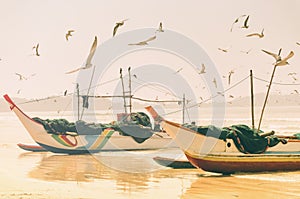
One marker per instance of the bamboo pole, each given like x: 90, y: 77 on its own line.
x: 183, y: 108
x: 130, y: 98
x: 121, y: 76
x: 252, y: 99
x: 266, y: 99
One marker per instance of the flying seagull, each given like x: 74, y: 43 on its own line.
x: 36, y: 49
x: 229, y: 76
x: 235, y: 21
x: 65, y: 93
x: 284, y: 60
x: 246, y: 52
x: 215, y: 82
x: 22, y: 77
x: 298, y: 43
x: 225, y: 50
x: 69, y: 34
x: 202, y: 69
x: 89, y: 59
x: 160, y: 29
x: 142, y: 43
x: 118, y: 24
x: 276, y: 56
x: 246, y: 22
x: 260, y: 35
x: 180, y: 69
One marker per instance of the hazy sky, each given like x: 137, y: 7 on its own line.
x: 26, y: 23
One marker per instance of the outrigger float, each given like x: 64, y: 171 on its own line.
x: 233, y: 153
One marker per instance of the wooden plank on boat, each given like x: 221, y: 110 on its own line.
x: 173, y: 163
x: 32, y: 148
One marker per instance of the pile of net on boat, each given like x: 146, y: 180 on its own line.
x: 245, y: 138
x: 137, y: 125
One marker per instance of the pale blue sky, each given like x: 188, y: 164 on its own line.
x: 26, y: 23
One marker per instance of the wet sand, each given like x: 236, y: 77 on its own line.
x: 127, y: 175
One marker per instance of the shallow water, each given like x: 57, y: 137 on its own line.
x: 131, y: 174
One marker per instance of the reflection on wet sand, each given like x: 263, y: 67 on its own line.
x: 87, y: 168
x: 244, y: 186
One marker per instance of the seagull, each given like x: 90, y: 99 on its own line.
x: 36, y: 49
x: 293, y: 73
x: 260, y: 35
x: 235, y: 21
x: 118, y: 24
x: 142, y: 43
x: 224, y: 50
x: 215, y: 82
x: 160, y: 29
x: 65, y: 93
x: 231, y: 96
x: 229, y: 76
x: 296, y: 91
x: 202, y: 69
x: 22, y: 77
x: 180, y: 69
x: 246, y: 52
x: 89, y: 59
x: 69, y: 34
x: 246, y: 22
x: 276, y: 56
x: 134, y: 75
x: 284, y: 62
x: 298, y: 43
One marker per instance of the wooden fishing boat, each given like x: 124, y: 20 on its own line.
x: 173, y: 163
x: 31, y: 147
x: 73, y: 143
x: 227, y: 163
x: 214, y: 155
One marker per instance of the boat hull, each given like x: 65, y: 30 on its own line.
x: 235, y: 163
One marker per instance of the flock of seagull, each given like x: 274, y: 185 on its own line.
x: 279, y: 61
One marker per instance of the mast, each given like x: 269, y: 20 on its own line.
x: 252, y: 99
x: 183, y: 108
x: 124, y: 97
x: 266, y: 99
x: 130, y: 97
x: 78, y: 102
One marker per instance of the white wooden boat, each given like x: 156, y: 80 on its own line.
x: 214, y: 155
x: 70, y: 143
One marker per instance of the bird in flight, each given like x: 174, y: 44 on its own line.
x: 293, y: 73
x: 160, y: 29
x: 246, y: 23
x: 246, y: 52
x: 88, y: 63
x: 36, y: 49
x: 284, y: 62
x: 229, y: 76
x: 142, y: 43
x: 69, y: 34
x: 65, y: 93
x: 215, y: 82
x: 298, y: 43
x: 276, y: 56
x: 118, y: 24
x: 260, y: 35
x: 202, y: 69
x: 225, y: 50
x: 180, y: 69
x: 235, y: 21
x: 22, y: 77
